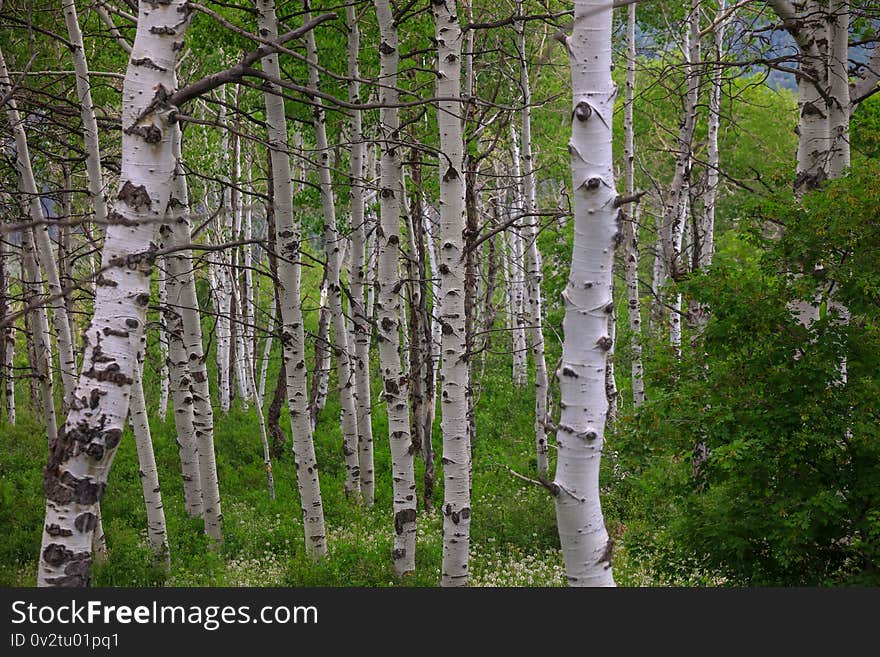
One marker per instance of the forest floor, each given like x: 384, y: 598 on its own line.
x: 513, y: 531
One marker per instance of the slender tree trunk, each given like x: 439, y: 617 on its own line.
x: 586, y: 547
x: 80, y: 458
x: 43, y: 245
x: 423, y: 416
x: 534, y: 263
x: 7, y: 335
x: 333, y: 244
x: 432, y: 230
x: 631, y: 217
x: 287, y: 239
x: 203, y: 414
x: 164, y: 373
x: 179, y: 374
x: 267, y: 351
x: 388, y: 287
x: 707, y: 232
x: 179, y: 384
x: 358, y: 273
x: 157, y: 534
x: 455, y: 367
x: 321, y: 371
x: 39, y: 329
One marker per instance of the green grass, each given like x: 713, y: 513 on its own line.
x: 514, y: 539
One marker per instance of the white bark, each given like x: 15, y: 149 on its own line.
x: 631, y: 217
x: 80, y: 459
x: 358, y: 278
x: 87, y: 113
x: 432, y: 229
x: 157, y: 534
x: 221, y: 279
x: 264, y: 438
x: 180, y: 377
x: 586, y: 547
x: 267, y: 350
x: 7, y: 334
x: 293, y: 339
x: 203, y: 414
x: 164, y: 374
x: 333, y: 244
x: 455, y: 370
x: 43, y: 245
x: 388, y: 293
x: 713, y: 156
x: 517, y: 282
x: 839, y: 90
x: 677, y: 209
x: 39, y: 326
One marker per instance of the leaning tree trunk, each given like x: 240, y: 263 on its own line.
x: 388, y: 300
x: 43, y: 245
x: 586, y: 546
x: 454, y: 377
x: 80, y: 459
x: 39, y: 329
x: 287, y: 237
x: 157, y: 534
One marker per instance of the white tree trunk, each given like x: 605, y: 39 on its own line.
x: 267, y: 350
x: 534, y: 263
x: 7, y: 333
x: 713, y: 156
x: 80, y: 459
x: 455, y: 369
x: 586, y: 547
x: 180, y: 377
x: 39, y: 326
x: 221, y: 279
x: 631, y: 217
x: 43, y: 245
x: 840, y: 109
x: 203, y: 414
x: 157, y: 534
x: 164, y: 374
x: 293, y: 336
x: 388, y: 292
x: 358, y: 278
x: 432, y: 229
x: 333, y: 244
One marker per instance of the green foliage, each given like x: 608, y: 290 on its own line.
x: 789, y: 492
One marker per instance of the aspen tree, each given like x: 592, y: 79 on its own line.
x: 534, y: 262
x: 157, y: 534
x: 631, y: 216
x: 80, y: 458
x: 358, y: 273
x: 287, y: 236
x: 42, y: 244
x: 455, y: 368
x: 388, y: 296
x: 333, y: 244
x: 586, y: 547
